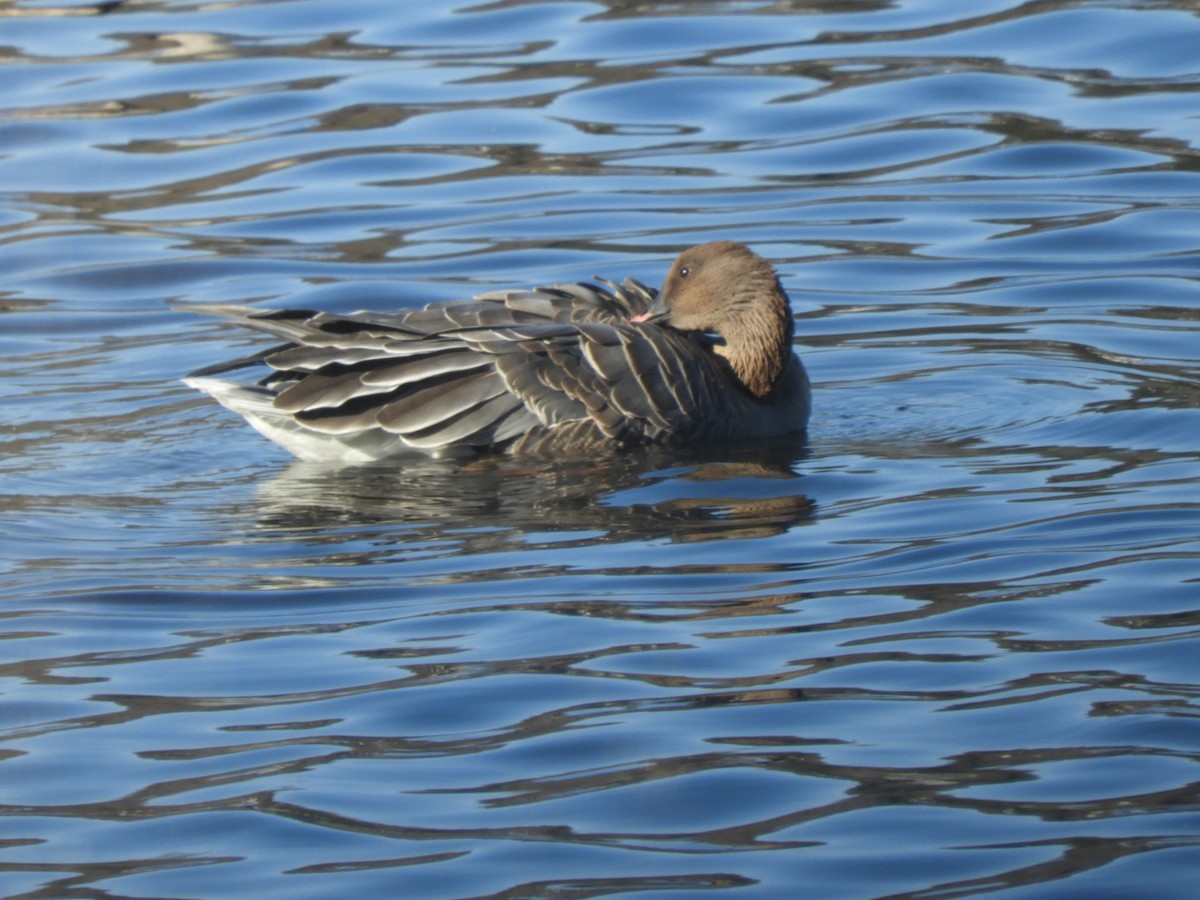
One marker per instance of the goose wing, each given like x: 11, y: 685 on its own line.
x: 632, y: 383
x: 471, y: 373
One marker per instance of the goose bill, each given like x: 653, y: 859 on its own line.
x: 657, y: 312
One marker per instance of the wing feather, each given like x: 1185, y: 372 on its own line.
x: 553, y: 366
x: 427, y: 406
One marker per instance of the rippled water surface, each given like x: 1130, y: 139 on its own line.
x: 948, y: 647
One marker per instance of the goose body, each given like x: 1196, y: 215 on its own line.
x: 562, y: 369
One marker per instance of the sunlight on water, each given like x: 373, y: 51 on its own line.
x: 945, y: 647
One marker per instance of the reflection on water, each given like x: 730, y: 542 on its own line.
x: 611, y: 499
x: 945, y: 648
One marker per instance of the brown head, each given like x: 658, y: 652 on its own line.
x: 727, y: 289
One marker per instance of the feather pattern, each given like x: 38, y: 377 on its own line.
x: 554, y: 369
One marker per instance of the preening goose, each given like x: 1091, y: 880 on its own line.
x: 569, y: 368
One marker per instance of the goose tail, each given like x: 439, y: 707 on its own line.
x: 255, y: 405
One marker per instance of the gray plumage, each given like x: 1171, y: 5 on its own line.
x: 568, y: 368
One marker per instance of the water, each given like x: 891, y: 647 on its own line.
x: 946, y: 648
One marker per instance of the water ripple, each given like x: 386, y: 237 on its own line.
x: 943, y: 647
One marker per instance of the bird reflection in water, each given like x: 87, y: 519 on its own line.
x: 494, y: 503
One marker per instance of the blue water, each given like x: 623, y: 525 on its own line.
x: 945, y: 648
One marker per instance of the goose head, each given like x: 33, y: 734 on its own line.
x: 725, y: 288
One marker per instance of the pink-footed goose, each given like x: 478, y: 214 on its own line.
x: 563, y: 369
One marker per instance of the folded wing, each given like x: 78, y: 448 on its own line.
x: 523, y: 370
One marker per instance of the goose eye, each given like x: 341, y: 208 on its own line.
x: 685, y: 272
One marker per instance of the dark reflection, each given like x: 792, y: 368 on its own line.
x: 584, y: 888
x: 492, y: 504
x: 83, y: 879
x: 642, y: 9
x: 104, y: 7
x: 1166, y: 392
x: 866, y: 786
x: 1076, y: 856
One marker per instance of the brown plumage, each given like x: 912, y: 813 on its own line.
x: 557, y: 369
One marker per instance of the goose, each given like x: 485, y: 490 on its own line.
x: 562, y: 369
